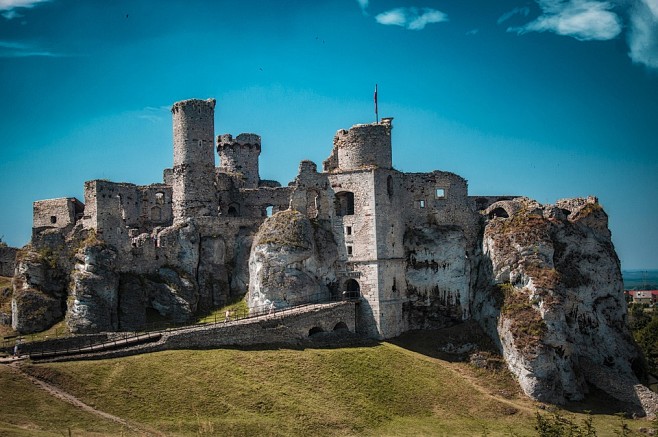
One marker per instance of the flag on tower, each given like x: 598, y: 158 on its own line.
x: 376, y: 109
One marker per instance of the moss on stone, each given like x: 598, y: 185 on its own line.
x: 286, y: 228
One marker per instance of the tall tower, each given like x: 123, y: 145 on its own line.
x: 193, y: 180
x: 240, y: 156
x: 365, y: 146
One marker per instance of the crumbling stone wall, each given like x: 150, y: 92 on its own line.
x: 239, y: 157
x: 56, y: 213
x: 7, y: 260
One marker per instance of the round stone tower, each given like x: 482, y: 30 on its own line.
x: 193, y: 183
x: 365, y: 146
x: 240, y: 156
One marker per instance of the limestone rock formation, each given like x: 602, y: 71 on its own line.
x: 438, y: 276
x: 39, y: 294
x: 290, y: 262
x: 93, y: 302
x: 558, y: 299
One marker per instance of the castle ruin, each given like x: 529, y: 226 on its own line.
x: 412, y: 250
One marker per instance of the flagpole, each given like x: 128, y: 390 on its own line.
x: 376, y: 108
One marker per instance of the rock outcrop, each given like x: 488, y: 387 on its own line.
x: 290, y: 263
x: 558, y: 299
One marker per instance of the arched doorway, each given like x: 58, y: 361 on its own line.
x: 352, y: 289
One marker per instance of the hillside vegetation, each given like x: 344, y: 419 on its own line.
x: 381, y: 389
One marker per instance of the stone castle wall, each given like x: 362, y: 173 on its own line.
x: 56, y: 213
x: 7, y: 260
x: 239, y: 156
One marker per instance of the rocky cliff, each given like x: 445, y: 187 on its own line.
x: 556, y: 303
x: 291, y: 262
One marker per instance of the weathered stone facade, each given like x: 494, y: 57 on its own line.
x: 414, y: 249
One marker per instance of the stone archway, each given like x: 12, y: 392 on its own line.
x: 351, y: 289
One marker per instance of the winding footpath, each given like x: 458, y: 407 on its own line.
x: 14, y: 365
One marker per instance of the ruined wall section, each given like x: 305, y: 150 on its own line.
x: 310, y: 193
x: 440, y: 242
x: 7, y: 260
x: 193, y: 179
x: 121, y: 211
x: 239, y: 157
x: 364, y: 146
x: 56, y: 213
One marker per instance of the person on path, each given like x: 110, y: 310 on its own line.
x: 17, y: 351
x: 272, y: 308
x: 227, y: 317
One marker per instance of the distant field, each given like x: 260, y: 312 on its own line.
x: 640, y: 279
x: 385, y: 389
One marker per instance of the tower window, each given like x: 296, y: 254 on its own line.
x: 349, y: 250
x: 53, y: 219
x: 348, y: 230
x: 344, y: 203
x: 159, y: 198
x: 440, y: 193
x: 421, y: 203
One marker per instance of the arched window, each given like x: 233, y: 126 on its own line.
x: 352, y: 289
x: 344, y: 203
x: 159, y: 198
x: 269, y: 211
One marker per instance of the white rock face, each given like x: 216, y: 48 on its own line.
x: 562, y: 315
x: 290, y: 262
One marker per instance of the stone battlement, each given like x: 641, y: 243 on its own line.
x: 193, y: 103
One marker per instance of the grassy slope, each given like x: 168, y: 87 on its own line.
x: 379, y: 390
x: 26, y: 410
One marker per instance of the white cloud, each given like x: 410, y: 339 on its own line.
x: 643, y: 33
x: 12, y: 49
x: 7, y: 7
x: 363, y: 4
x: 473, y: 32
x: 516, y: 11
x: 580, y: 19
x: 411, y: 18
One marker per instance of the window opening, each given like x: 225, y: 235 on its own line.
x: 421, y: 203
x: 53, y: 219
x: 268, y: 211
x: 159, y: 198
x: 348, y: 230
x: 349, y: 250
x: 440, y: 193
x: 389, y: 185
x: 344, y: 203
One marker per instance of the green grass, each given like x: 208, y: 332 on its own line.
x: 25, y: 410
x: 237, y: 307
x: 380, y: 390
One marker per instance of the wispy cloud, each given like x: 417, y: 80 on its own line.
x: 516, y: 11
x: 7, y: 7
x: 472, y: 32
x: 411, y: 18
x: 155, y: 114
x: 363, y: 4
x: 581, y: 19
x: 643, y: 33
x: 12, y: 49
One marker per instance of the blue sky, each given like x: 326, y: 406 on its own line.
x: 543, y: 98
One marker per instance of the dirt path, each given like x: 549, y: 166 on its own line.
x: 66, y: 397
x: 518, y: 404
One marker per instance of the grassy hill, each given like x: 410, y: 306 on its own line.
x: 383, y: 389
